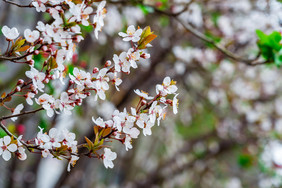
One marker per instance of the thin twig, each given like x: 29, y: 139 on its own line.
x: 23, y: 113
x: 226, y: 52
x: 14, y: 59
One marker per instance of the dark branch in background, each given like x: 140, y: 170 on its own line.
x: 198, y: 34
x: 226, y: 52
x: 18, y: 5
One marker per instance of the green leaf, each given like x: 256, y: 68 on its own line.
x: 52, y: 63
x: 87, y: 29
x: 90, y: 144
x: 43, y: 123
x: 70, y: 68
x: 270, y: 46
x: 278, y: 58
x: 272, y: 40
x: 146, y: 37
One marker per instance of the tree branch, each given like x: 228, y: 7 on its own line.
x: 226, y: 52
x: 21, y: 114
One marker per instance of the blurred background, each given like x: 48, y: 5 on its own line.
x: 229, y: 127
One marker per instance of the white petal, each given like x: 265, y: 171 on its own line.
x: 7, y: 140
x: 131, y: 29
x: 167, y: 80
x: 53, y: 132
x: 6, y: 155
x: 12, y: 147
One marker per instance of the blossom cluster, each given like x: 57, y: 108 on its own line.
x: 57, y: 42
x: 125, y: 125
x: 57, y: 143
x: 10, y: 145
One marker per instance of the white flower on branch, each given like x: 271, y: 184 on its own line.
x: 37, y: 78
x: 108, y: 158
x: 31, y: 36
x: 39, y: 5
x: 16, y: 111
x: 10, y: 34
x: 131, y: 34
x: 6, y: 147
x: 99, y: 17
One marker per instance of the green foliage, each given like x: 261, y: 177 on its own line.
x: 214, y: 17
x: 38, y: 61
x: 51, y: 88
x: 43, y: 123
x: 270, y: 46
x: 213, y: 37
x: 245, y: 160
x: 201, y: 124
x: 70, y: 68
x: 146, y: 9
x: 2, y: 133
x: 86, y: 29
x: 164, y: 21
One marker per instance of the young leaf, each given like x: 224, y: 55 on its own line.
x: 89, y: 143
x: 106, y: 132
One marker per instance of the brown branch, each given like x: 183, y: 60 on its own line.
x: 15, y: 59
x: 2, y: 100
x: 226, y: 52
x: 12, y: 135
x: 21, y: 114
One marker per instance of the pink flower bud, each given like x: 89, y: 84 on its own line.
x: 44, y: 48
x: 20, y: 82
x: 36, y: 52
x: 143, y: 102
x: 71, y: 82
x: 30, y: 62
x: 18, y: 88
x: 108, y: 63
x: 32, y: 87
x: 46, y: 81
x: 169, y: 101
x: 95, y: 70
x: 52, y: 77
